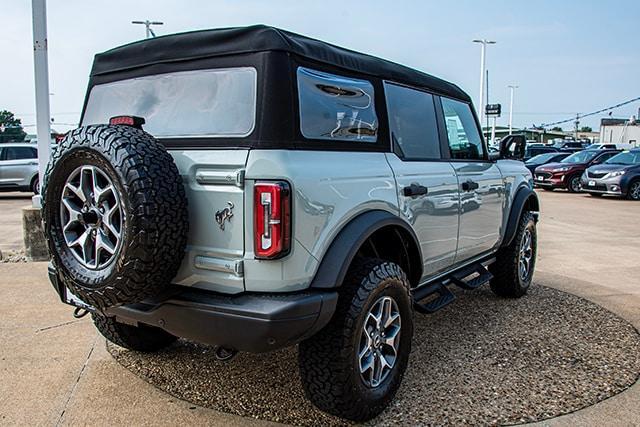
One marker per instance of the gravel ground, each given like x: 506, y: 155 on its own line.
x: 13, y: 256
x: 482, y: 360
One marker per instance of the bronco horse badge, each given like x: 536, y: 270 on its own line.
x: 224, y: 215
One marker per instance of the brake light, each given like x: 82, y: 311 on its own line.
x: 272, y: 219
x: 134, y: 121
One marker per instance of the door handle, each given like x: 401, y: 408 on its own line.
x: 415, y: 190
x: 470, y: 185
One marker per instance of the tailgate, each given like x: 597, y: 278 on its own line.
x: 214, y: 182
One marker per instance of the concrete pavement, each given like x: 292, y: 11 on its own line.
x: 11, y: 219
x: 55, y: 369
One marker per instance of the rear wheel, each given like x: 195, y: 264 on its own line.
x: 514, y: 266
x: 634, y: 190
x: 35, y: 185
x: 353, y: 367
x: 139, y: 338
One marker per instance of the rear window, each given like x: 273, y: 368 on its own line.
x: 336, y: 108
x: 211, y: 103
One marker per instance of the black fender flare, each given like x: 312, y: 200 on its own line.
x: 338, y: 257
x: 525, y: 196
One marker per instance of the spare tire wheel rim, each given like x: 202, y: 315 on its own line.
x: 92, y: 217
x: 379, y: 341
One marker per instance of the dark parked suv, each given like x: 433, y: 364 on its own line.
x: 568, y: 172
x: 618, y: 176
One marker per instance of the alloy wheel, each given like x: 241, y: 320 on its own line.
x: 526, y: 255
x: 92, y: 217
x: 379, y: 341
x: 634, y: 190
x: 576, y: 185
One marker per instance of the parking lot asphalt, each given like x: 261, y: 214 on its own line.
x: 55, y: 369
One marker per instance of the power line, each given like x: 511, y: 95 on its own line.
x: 581, y: 116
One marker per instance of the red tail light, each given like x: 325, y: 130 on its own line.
x: 272, y: 219
x: 134, y: 121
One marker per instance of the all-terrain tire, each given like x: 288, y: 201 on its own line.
x: 154, y: 205
x: 139, y: 338
x: 329, y: 363
x: 507, y: 280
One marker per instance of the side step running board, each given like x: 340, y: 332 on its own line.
x: 443, y: 297
x: 440, y: 295
x: 481, y: 276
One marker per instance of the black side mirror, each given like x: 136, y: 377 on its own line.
x: 513, y: 147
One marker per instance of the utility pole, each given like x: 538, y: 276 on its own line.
x: 41, y: 73
x: 484, y: 43
x: 576, y: 123
x: 149, y: 31
x: 512, y: 89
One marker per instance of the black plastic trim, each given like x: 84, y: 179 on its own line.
x: 252, y: 322
x: 522, y: 196
x: 336, y: 261
x: 255, y: 323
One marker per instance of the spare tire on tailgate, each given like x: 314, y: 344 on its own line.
x: 115, y: 214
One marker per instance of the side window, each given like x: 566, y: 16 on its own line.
x: 336, y: 108
x: 412, y: 122
x: 20, y: 153
x: 605, y: 156
x: 465, y: 141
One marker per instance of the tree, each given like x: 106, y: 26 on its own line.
x: 556, y: 129
x: 586, y: 129
x: 10, y: 127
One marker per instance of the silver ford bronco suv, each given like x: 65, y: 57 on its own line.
x: 251, y: 189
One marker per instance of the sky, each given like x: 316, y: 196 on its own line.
x: 567, y: 57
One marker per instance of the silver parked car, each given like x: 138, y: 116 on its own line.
x: 19, y: 167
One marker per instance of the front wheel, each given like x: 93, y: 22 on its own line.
x: 514, y: 266
x: 353, y: 367
x: 634, y: 191
x: 574, y: 184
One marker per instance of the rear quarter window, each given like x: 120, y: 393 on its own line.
x: 336, y: 108
x: 201, y: 103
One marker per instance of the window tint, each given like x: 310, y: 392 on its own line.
x: 465, y: 141
x: 412, y: 122
x: 218, y: 103
x: 20, y: 153
x: 336, y: 108
x: 606, y: 156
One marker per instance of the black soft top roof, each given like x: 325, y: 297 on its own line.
x: 261, y: 38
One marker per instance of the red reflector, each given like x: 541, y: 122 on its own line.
x: 127, y: 120
x: 272, y: 219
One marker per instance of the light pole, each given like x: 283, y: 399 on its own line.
x: 148, y: 24
x: 483, y: 67
x: 512, y: 89
x: 41, y: 72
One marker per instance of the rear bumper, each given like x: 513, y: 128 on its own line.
x: 252, y: 322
